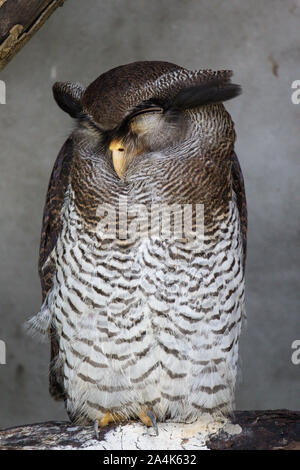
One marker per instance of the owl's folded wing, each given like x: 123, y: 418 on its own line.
x: 239, y: 189
x: 51, y: 227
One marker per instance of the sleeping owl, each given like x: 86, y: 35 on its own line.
x: 146, y: 326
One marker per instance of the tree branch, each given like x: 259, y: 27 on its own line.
x: 19, y: 20
x: 274, y: 429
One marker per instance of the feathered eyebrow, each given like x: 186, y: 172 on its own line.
x: 215, y: 91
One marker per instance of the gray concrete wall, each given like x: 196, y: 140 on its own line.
x: 260, y: 41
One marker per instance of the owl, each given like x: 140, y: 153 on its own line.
x: 144, y: 325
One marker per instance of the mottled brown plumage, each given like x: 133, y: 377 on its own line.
x: 192, y: 161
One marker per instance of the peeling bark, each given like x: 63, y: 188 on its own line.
x: 272, y: 429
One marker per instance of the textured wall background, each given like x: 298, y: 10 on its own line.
x: 260, y: 41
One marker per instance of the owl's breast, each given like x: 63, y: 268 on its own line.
x: 141, y: 320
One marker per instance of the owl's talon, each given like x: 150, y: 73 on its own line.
x: 96, y: 429
x: 148, y: 418
x: 153, y: 420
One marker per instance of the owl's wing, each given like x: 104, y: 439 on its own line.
x: 51, y: 227
x: 239, y: 189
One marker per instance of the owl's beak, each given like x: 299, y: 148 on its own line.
x: 118, y: 157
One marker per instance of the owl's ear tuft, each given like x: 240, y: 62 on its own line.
x: 214, y: 91
x: 68, y: 97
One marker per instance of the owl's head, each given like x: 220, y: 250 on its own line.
x: 145, y: 107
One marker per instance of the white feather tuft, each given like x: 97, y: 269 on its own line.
x: 39, y: 325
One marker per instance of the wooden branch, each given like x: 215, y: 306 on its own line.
x: 261, y: 430
x: 19, y: 20
x: 274, y: 429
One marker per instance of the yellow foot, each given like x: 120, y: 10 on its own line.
x: 146, y: 416
x: 149, y: 419
x: 108, y: 418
